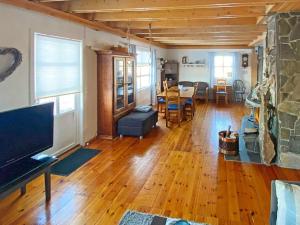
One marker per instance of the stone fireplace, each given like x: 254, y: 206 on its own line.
x: 280, y: 94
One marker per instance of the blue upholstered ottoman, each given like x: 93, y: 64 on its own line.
x: 137, y: 123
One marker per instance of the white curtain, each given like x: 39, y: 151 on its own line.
x: 212, y: 68
x: 236, y: 75
x: 57, y: 66
x: 153, y: 76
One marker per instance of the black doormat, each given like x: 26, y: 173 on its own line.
x: 73, y: 161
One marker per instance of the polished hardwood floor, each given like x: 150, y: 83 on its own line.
x: 173, y: 172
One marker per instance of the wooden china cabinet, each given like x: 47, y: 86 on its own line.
x: 116, y: 89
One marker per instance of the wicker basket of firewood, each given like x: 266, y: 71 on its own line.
x: 228, y: 142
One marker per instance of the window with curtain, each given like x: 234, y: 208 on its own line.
x: 143, y: 66
x: 57, y: 67
x: 223, y: 67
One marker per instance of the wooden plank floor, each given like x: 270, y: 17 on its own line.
x: 174, y: 172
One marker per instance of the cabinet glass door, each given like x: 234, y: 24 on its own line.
x: 130, y: 81
x: 119, y: 83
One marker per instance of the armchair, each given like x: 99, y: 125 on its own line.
x: 239, y: 90
x: 201, y: 90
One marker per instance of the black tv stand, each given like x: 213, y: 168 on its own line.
x: 17, y: 175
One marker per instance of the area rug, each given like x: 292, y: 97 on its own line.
x: 73, y: 161
x: 244, y: 155
x: 138, y: 218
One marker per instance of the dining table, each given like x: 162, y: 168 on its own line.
x: 185, y: 93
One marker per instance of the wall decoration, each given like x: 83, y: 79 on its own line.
x: 245, y: 60
x: 10, y: 59
x: 184, y: 59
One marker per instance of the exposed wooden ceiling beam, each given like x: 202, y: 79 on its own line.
x: 258, y: 40
x: 208, y: 38
x: 185, y: 23
x: 145, y: 5
x: 202, y: 35
x: 206, y: 43
x: 67, y: 16
x: 54, y: 1
x: 257, y: 29
x: 287, y: 7
x: 208, y: 47
x: 222, y: 12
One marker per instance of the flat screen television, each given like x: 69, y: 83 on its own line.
x: 25, y: 132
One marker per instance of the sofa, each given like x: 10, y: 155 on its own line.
x: 274, y: 202
x: 137, y: 123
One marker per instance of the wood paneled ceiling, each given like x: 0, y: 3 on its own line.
x: 190, y: 23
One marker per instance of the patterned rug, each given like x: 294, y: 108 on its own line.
x: 138, y: 218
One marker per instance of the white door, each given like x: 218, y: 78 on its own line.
x: 57, y: 78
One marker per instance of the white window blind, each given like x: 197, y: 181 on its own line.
x: 57, y: 66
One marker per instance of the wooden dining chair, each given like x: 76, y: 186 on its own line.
x: 161, y: 102
x: 174, y: 108
x: 190, y: 104
x: 221, y: 90
x: 165, y: 84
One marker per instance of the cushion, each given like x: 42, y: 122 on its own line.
x: 201, y: 92
x: 161, y: 100
x: 189, y: 101
x: 288, y: 198
x: 143, y: 108
x: 172, y: 107
x: 221, y: 92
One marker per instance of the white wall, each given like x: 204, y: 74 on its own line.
x: 17, y: 27
x: 203, y: 73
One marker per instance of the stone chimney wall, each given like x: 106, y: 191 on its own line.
x: 284, y: 32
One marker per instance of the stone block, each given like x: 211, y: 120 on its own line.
x: 295, y: 46
x: 285, y: 40
x: 289, y: 160
x: 284, y: 28
x: 284, y: 148
x: 285, y: 133
x: 288, y: 67
x: 288, y: 85
x: 295, y: 34
x: 283, y: 96
x: 284, y: 143
x: 294, y: 145
x: 297, y: 127
x: 291, y: 108
x: 298, y: 66
x: 282, y: 80
x: 295, y: 92
x: 286, y: 120
x: 284, y: 15
x: 292, y: 21
x: 286, y: 52
x: 295, y: 13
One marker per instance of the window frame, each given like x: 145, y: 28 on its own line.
x: 139, y: 67
x: 223, y: 67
